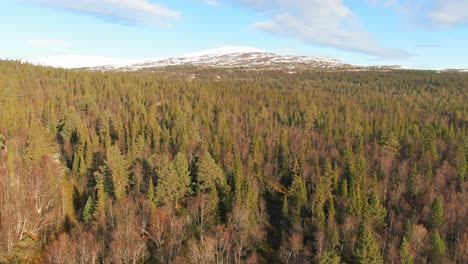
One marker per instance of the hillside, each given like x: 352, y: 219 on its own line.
x: 223, y: 165
x: 234, y: 57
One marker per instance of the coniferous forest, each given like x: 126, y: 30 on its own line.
x: 206, y: 165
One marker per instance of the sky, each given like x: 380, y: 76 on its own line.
x: 424, y: 34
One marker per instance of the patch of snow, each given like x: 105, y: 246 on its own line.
x: 224, y: 50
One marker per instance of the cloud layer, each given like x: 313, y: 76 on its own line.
x: 439, y: 13
x: 122, y: 11
x: 450, y: 12
x: 327, y: 23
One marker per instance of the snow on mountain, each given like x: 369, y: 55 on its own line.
x: 232, y: 57
x: 225, y: 50
x: 227, y: 57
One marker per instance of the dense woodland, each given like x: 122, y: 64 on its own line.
x: 187, y: 165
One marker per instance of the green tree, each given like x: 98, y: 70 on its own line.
x: 102, y: 196
x: 167, y: 187
x: 117, y: 166
x: 332, y: 232
x: 405, y: 255
x: 391, y: 144
x: 183, y: 182
x: 377, y: 211
x: 329, y: 258
x: 88, y: 211
x: 412, y: 182
x: 436, y: 216
x: 209, y: 174
x: 298, y: 200
x: 367, y: 249
x: 438, y: 248
x: 151, y: 192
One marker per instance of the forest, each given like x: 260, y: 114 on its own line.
x: 207, y: 165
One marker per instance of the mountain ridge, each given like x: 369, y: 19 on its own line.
x: 244, y: 57
x: 232, y: 57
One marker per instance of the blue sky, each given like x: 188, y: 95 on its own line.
x: 413, y: 33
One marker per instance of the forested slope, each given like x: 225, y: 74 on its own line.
x: 219, y: 166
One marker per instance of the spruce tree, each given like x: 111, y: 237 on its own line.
x: 436, y: 216
x: 151, y: 192
x: 183, y: 182
x: 405, y: 255
x: 208, y: 174
x: 88, y: 211
x: 167, y: 188
x: 329, y: 257
x: 438, y: 248
x: 117, y: 166
x: 367, y: 249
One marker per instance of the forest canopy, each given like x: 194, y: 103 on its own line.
x: 206, y: 165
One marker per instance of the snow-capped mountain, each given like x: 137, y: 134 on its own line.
x: 224, y: 57
x: 231, y: 57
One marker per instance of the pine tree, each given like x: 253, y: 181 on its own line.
x: 285, y: 213
x: 377, y: 211
x: 102, y: 196
x: 319, y: 203
x: 117, y: 166
x: 429, y: 142
x: 151, y: 192
x: 88, y: 211
x: 329, y: 257
x: 436, y: 216
x: 344, y: 188
x: 184, y: 181
x: 208, y: 174
x: 167, y: 188
x: 332, y: 232
x: 298, y: 199
x: 367, y: 250
x: 405, y: 255
x: 238, y: 179
x: 391, y: 144
x: 438, y: 248
x: 411, y: 182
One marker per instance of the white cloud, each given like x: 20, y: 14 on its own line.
x: 127, y: 11
x: 438, y: 12
x: 327, y: 23
x: 211, y: 2
x: 450, y: 12
x: 51, y: 44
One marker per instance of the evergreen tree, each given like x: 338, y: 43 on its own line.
x: 405, y: 255
x: 391, y: 144
x: 411, y: 182
x: 88, y: 211
x: 183, y: 182
x: 238, y: 179
x: 209, y: 174
x: 436, y: 216
x: 167, y: 189
x: 438, y: 248
x: 377, y: 211
x: 332, y: 231
x: 117, y: 166
x: 367, y: 250
x: 151, y: 192
x: 102, y: 197
x: 329, y: 258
